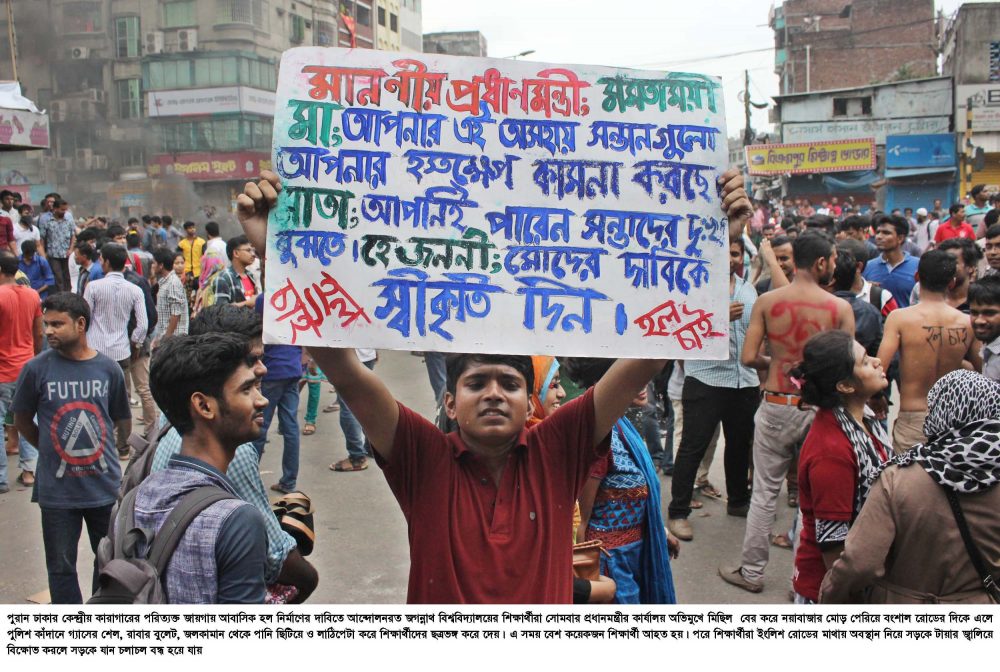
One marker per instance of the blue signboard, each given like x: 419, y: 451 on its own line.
x: 920, y: 151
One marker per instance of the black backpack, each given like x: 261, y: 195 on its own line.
x: 125, y: 576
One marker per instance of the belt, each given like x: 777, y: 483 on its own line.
x: 782, y: 398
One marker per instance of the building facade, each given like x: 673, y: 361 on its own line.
x: 459, y: 43
x: 911, y: 108
x: 835, y: 44
x: 167, y: 105
x: 970, y: 51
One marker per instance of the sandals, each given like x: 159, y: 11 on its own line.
x: 27, y: 479
x: 347, y: 464
x: 332, y: 408
x: 781, y: 541
x: 709, y: 490
x: 793, y: 500
x: 308, y: 429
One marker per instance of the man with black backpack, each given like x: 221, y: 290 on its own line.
x: 208, y: 387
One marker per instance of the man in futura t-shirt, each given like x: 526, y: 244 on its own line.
x: 79, y: 397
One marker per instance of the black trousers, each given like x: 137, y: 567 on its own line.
x: 704, y: 407
x: 60, y: 271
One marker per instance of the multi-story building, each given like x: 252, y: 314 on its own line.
x: 167, y: 105
x: 837, y: 44
x: 459, y: 43
x: 970, y: 50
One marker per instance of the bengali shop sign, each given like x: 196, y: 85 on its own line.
x: 811, y: 157
x: 209, y: 166
x: 453, y: 204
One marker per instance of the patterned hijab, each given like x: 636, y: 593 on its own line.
x: 962, y: 451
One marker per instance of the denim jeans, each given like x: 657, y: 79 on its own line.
x: 28, y: 454
x: 354, y: 436
x: 434, y: 361
x: 61, y: 535
x: 283, y: 396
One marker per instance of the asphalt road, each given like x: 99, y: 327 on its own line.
x: 361, y: 548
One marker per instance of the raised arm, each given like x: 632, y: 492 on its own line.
x: 735, y: 202
x: 617, y: 388
x: 366, y: 395
x: 369, y: 399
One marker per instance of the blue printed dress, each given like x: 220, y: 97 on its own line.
x: 626, y: 517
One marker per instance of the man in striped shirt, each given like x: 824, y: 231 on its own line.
x: 113, y: 300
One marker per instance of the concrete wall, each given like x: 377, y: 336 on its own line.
x: 967, y: 43
x: 465, y: 43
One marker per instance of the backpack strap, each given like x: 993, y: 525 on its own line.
x: 989, y: 583
x: 124, y: 522
x: 173, y: 528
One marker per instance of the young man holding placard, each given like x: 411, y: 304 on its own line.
x: 489, y: 508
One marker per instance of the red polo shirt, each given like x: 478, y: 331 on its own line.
x: 472, y: 542
x: 949, y: 230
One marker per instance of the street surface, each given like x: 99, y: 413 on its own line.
x: 361, y: 545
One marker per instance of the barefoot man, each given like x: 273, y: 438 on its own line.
x: 932, y: 338
x: 787, y: 317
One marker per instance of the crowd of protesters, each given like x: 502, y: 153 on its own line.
x: 838, y: 313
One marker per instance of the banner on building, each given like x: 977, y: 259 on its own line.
x: 825, y: 131
x: 815, y: 157
x: 920, y: 151
x: 209, y: 166
x: 457, y: 204
x: 985, y: 106
x: 220, y: 100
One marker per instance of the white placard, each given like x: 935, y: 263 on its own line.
x: 467, y: 204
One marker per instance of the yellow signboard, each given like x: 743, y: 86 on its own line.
x: 811, y: 157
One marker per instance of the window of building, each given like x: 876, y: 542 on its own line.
x: 180, y: 14
x: 129, y: 98
x: 394, y: 23
x: 381, y: 16
x: 131, y: 155
x: 209, y: 72
x: 298, y: 32
x: 82, y: 17
x: 364, y: 15
x: 251, y: 12
x: 326, y: 34
x: 127, y: 42
x: 852, y: 107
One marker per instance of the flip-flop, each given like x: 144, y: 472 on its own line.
x: 308, y: 429
x: 695, y: 504
x: 348, y: 465
x: 781, y: 541
x: 709, y: 490
x: 332, y: 408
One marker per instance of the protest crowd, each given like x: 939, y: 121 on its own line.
x: 135, y: 387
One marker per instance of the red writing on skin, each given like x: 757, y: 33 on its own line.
x: 803, y: 322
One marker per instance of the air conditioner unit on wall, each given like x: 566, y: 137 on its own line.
x: 187, y: 39
x: 154, y: 42
x: 96, y: 96
x: 99, y: 162
x: 78, y: 53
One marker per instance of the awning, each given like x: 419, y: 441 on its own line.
x: 909, y: 172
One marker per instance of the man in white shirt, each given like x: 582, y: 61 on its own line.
x: 113, y: 300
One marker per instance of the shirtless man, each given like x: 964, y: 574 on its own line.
x: 932, y: 338
x: 787, y: 317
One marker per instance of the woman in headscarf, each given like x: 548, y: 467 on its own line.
x: 621, y: 506
x: 843, y: 451
x: 906, y: 546
x: 548, y: 393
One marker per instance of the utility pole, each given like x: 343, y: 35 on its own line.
x: 12, y: 38
x: 747, y: 131
x: 967, y: 152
